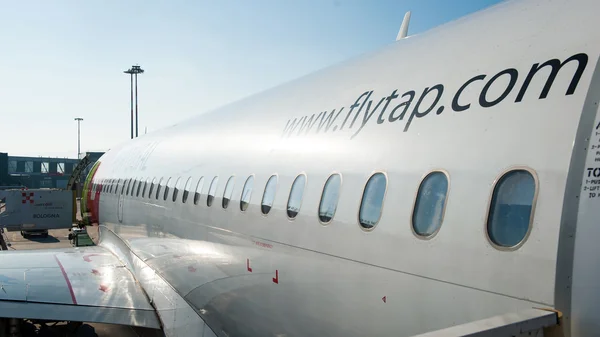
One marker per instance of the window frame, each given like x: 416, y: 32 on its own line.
x: 337, y: 201
x: 262, y: 198
x: 210, y: 202
x: 233, y: 176
x: 175, y: 194
x: 194, y: 201
x: 287, y: 204
x: 188, y: 184
x: 252, y: 175
x: 362, y: 195
x: 531, y: 216
x: 412, y: 213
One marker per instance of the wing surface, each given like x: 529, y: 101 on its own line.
x: 87, y: 284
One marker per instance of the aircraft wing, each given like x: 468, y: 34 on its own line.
x: 87, y: 284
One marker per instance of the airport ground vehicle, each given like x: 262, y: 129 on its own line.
x: 35, y: 211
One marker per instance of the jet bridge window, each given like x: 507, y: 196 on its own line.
x: 228, y: 191
x: 430, y: 204
x: 123, y: 186
x: 198, y: 192
x: 329, y: 198
x: 117, y: 186
x: 186, y: 190
x: 246, y: 193
x: 511, y: 208
x: 372, y: 201
x: 212, y: 190
x: 296, y: 193
x: 176, y: 189
x: 167, y: 188
x: 158, y: 188
x: 269, y: 195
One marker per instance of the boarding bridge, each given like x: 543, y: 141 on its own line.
x: 530, y: 323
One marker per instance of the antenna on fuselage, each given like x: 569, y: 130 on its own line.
x: 404, y: 27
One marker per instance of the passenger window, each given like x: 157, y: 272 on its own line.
x: 372, y: 201
x: 228, y: 191
x: 329, y: 198
x: 139, y: 187
x: 176, y: 189
x: 151, y: 188
x: 246, y: 193
x: 430, y: 204
x: 144, y: 188
x: 158, y: 187
x: 269, y: 195
x: 186, y: 190
x: 212, y: 190
x: 128, y: 186
x: 167, y: 188
x: 295, y: 199
x: 510, y: 212
x: 198, y: 190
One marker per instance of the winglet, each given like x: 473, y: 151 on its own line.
x: 404, y: 27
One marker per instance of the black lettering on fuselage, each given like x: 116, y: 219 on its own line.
x: 416, y: 113
x: 455, y: 105
x: 483, y: 101
x: 556, y: 65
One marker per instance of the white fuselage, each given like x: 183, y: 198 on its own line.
x: 249, y: 274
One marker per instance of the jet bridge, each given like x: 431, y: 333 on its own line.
x: 531, y: 323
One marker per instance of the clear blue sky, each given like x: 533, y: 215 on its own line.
x: 64, y: 59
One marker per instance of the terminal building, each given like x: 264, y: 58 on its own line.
x: 39, y: 172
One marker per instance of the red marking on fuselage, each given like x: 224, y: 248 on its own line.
x: 276, y: 278
x: 96, y: 272
x: 103, y: 288
x: 248, y: 265
x: 62, y: 269
x: 86, y: 258
x: 384, y: 299
x: 264, y: 245
x: 191, y: 269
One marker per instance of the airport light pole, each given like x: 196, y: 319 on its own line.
x: 78, y: 119
x: 134, y: 70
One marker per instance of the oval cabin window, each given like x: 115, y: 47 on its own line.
x: 145, y: 187
x: 329, y: 198
x: 139, y: 187
x: 372, y: 201
x: 176, y: 189
x: 228, y: 192
x: 246, y: 193
x: 430, y: 204
x: 186, y: 190
x: 158, y: 187
x: 269, y: 195
x: 212, y: 190
x: 167, y: 188
x: 295, y: 199
x: 198, y: 192
x: 151, y: 188
x: 510, y: 213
